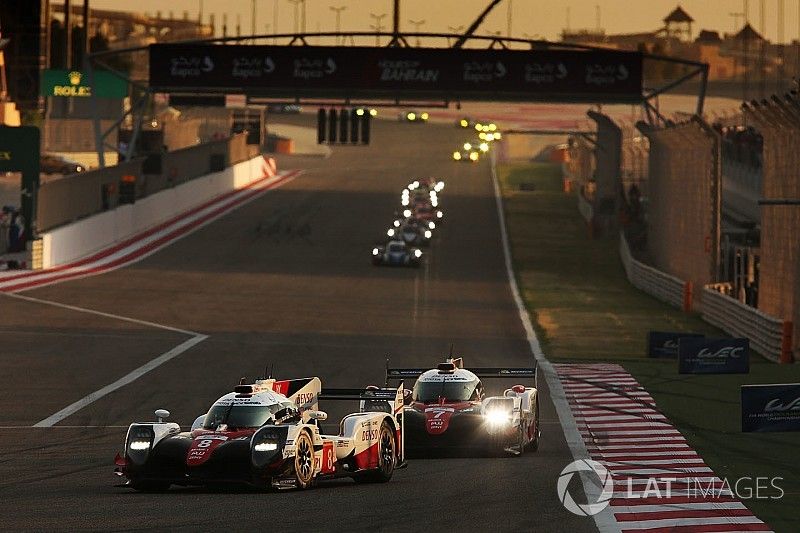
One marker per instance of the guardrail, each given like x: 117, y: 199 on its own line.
x: 769, y: 336
x: 666, y: 288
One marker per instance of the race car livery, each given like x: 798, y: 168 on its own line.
x: 449, y: 410
x: 267, y: 435
x: 396, y: 253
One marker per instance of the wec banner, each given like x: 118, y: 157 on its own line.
x: 355, y: 71
x: 771, y: 407
x: 713, y: 356
x: 665, y: 343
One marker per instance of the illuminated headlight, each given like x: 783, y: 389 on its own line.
x: 428, y: 234
x: 497, y: 136
x: 266, y: 446
x: 490, y: 137
x: 456, y: 156
x: 478, y: 126
x: 482, y: 136
x: 492, y: 126
x: 373, y: 112
x: 360, y: 112
x: 467, y: 146
x: 424, y: 116
x: 439, y: 214
x: 432, y: 225
x: 405, y: 202
x: 485, y: 128
x: 375, y: 251
x: 415, y: 183
x: 498, y: 417
x: 464, y: 123
x: 435, y: 202
x: 407, y: 213
x: 396, y: 223
x: 484, y: 147
x: 140, y: 440
x: 417, y: 254
x: 439, y: 186
x: 390, y: 233
x: 139, y: 445
x: 411, y: 116
x: 473, y: 156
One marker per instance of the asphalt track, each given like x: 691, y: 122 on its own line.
x: 286, y: 280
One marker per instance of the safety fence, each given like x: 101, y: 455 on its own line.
x: 666, y: 288
x: 769, y: 336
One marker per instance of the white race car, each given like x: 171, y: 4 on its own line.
x: 267, y: 435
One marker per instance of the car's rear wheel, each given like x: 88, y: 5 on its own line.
x: 304, y: 461
x: 387, y: 457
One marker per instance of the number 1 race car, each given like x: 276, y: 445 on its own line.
x: 448, y: 409
x: 267, y: 435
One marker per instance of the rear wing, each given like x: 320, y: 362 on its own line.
x: 390, y: 395
x: 486, y: 372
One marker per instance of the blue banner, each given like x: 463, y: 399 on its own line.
x: 771, y: 407
x: 713, y: 356
x: 665, y: 343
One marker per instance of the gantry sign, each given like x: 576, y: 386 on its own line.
x: 593, y: 76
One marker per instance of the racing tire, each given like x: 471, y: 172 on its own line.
x: 387, y: 458
x: 304, y: 461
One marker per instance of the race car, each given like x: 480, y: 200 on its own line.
x: 267, y: 435
x: 467, y: 153
x: 409, y: 218
x: 419, y: 198
x: 396, y: 253
x: 426, y: 184
x: 371, y: 111
x: 449, y: 410
x: 411, y: 231
x: 416, y: 117
x: 427, y: 214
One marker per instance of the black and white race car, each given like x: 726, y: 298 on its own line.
x: 396, y: 253
x: 267, y: 434
x: 449, y: 409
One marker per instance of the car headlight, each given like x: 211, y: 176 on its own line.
x: 396, y: 223
x: 435, y: 203
x: 464, y: 123
x: 497, y: 136
x: 415, y: 183
x: 140, y: 440
x: 482, y: 136
x: 467, y: 146
x: 407, y: 213
x: 485, y: 128
x: 390, y: 233
x: 417, y: 253
x: 456, y: 155
x: 473, y: 156
x: 375, y: 251
x: 266, y: 446
x: 411, y: 116
x: 490, y: 137
x: 478, y: 126
x: 405, y: 202
x: 492, y: 126
x: 424, y: 116
x: 373, y: 112
x: 484, y: 147
x: 139, y: 445
x: 439, y: 186
x: 360, y: 112
x: 432, y: 225
x: 428, y: 234
x: 439, y: 214
x: 497, y: 417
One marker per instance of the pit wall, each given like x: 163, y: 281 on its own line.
x: 76, y: 240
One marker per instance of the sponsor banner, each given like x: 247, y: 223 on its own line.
x: 66, y: 83
x: 713, y: 356
x: 561, y: 75
x: 771, y: 407
x: 665, y: 343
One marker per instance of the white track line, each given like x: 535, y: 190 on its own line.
x: 604, y: 520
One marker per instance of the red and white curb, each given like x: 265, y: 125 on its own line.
x: 148, y: 242
x: 624, y: 431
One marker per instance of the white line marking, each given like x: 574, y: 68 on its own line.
x: 121, y: 382
x: 604, y: 520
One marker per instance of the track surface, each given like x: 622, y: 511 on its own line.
x: 286, y: 279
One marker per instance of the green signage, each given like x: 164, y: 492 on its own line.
x: 64, y: 83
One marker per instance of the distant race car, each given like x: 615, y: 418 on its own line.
x: 361, y: 111
x: 465, y: 122
x: 468, y: 153
x: 267, y: 435
x: 418, y: 117
x: 428, y: 214
x: 426, y: 184
x: 396, y: 253
x: 449, y: 410
x: 411, y: 231
x: 284, y: 109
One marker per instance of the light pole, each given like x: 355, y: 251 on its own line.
x: 378, y: 26
x: 338, y: 10
x: 454, y: 29
x: 417, y: 24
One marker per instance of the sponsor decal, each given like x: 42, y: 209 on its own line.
x: 74, y: 83
x: 545, y: 73
x: 480, y: 72
x: 773, y: 407
x: 407, y: 71
x: 190, y: 67
x: 307, y: 69
x: 713, y: 356
x: 665, y: 343
x: 597, y: 74
x: 252, y: 67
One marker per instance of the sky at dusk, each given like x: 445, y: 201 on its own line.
x: 536, y: 18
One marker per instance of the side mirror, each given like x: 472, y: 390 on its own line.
x: 316, y: 415
x: 408, y: 396
x: 161, y: 414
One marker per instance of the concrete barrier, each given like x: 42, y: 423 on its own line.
x: 76, y: 240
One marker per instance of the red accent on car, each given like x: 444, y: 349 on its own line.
x: 281, y: 387
x: 519, y: 389
x: 368, y: 458
x: 206, y: 441
x: 119, y: 461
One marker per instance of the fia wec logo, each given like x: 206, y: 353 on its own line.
x: 777, y: 405
x: 728, y: 351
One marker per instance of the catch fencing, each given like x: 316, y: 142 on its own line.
x: 684, y: 201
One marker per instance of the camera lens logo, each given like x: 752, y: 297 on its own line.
x: 585, y: 509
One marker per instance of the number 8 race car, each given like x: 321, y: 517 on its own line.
x: 448, y: 409
x: 267, y: 435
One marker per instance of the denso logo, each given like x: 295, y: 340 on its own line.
x: 734, y: 352
x: 777, y: 406
x: 304, y: 398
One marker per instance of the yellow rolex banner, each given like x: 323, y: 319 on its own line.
x: 75, y: 83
